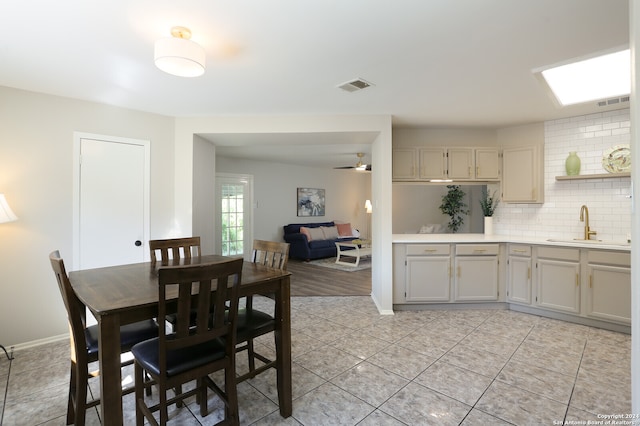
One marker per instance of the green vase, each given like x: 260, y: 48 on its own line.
x: 572, y: 164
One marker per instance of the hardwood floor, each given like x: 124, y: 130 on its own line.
x: 313, y: 280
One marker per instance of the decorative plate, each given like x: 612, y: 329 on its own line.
x: 617, y: 159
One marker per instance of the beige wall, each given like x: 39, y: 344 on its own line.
x: 275, y: 192
x: 36, y: 158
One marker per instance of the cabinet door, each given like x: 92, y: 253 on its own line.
x: 519, y: 279
x: 521, y: 174
x: 404, y: 164
x: 487, y: 164
x: 558, y: 283
x: 609, y: 294
x: 460, y: 163
x: 476, y: 278
x: 433, y: 163
x: 427, y: 279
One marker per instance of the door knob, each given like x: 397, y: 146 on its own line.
x: 138, y: 243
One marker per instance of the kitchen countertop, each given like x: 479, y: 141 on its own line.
x: 481, y: 238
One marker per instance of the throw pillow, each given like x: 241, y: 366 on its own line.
x: 344, y: 229
x: 316, y: 234
x: 330, y: 232
x: 305, y: 231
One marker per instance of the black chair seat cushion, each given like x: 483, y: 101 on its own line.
x: 130, y: 334
x: 178, y: 361
x: 253, y: 323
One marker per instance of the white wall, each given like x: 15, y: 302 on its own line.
x: 275, y: 194
x: 607, y: 199
x: 36, y: 146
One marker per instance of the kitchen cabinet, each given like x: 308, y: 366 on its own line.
x: 609, y: 286
x: 558, y: 279
x: 476, y: 277
x: 519, y: 274
x: 404, y: 164
x: 459, y: 164
x: 433, y: 163
x: 428, y: 271
x: 487, y: 164
x: 522, y: 174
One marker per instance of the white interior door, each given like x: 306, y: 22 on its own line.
x: 111, y: 208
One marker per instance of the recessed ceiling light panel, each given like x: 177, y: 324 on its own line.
x: 601, y: 77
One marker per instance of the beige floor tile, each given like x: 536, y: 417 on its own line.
x: 455, y: 382
x: 538, y: 380
x: 417, y: 405
x: 520, y: 407
x: 330, y: 405
x: 370, y: 383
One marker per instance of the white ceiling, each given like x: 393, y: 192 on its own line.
x: 437, y: 63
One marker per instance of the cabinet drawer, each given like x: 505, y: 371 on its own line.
x: 477, y: 249
x: 519, y: 250
x: 606, y: 257
x: 558, y: 253
x: 427, y: 249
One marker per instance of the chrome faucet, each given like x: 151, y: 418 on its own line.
x: 584, y: 217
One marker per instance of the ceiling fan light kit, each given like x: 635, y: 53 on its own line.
x: 360, y: 166
x: 178, y: 55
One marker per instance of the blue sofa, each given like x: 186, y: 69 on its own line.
x: 302, y: 248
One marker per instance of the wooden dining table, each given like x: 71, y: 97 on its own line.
x: 123, y: 294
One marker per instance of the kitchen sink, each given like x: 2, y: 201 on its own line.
x: 595, y: 242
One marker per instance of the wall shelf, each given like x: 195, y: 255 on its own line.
x: 595, y: 176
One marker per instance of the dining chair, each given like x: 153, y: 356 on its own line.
x: 192, y: 351
x: 174, y: 248
x: 252, y: 322
x: 84, y: 344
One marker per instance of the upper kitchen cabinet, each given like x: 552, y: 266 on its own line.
x: 488, y: 164
x: 404, y: 164
x: 433, y: 163
x: 459, y: 164
x: 522, y: 174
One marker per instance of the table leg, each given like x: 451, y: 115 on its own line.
x: 283, y: 347
x: 110, y: 374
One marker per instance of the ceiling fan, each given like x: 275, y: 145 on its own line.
x: 360, y: 166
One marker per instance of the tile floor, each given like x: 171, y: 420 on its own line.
x: 352, y: 366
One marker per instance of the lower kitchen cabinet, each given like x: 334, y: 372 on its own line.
x: 609, y: 289
x: 428, y: 270
x: 476, y: 277
x: 592, y: 286
x: 558, y: 279
x: 519, y: 274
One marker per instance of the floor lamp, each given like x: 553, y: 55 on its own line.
x: 369, y: 207
x: 6, y: 215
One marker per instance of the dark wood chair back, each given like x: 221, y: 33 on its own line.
x: 174, y: 248
x: 76, y: 311
x: 270, y: 253
x: 194, y: 285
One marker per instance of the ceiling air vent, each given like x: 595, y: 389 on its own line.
x: 354, y: 85
x: 613, y: 101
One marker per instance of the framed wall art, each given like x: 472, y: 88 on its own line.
x: 310, y: 202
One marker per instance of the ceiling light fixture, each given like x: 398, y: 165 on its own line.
x: 600, y: 77
x: 178, y: 55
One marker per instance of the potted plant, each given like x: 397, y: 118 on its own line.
x: 454, y: 206
x: 488, y: 203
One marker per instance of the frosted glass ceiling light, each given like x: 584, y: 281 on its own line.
x: 592, y: 79
x: 178, y: 55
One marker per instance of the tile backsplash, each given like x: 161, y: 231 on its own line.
x: 608, y: 199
